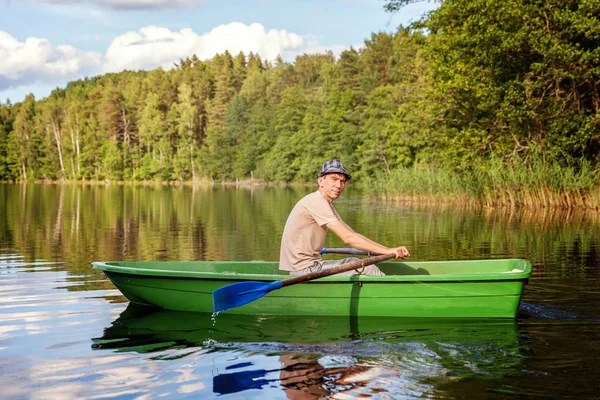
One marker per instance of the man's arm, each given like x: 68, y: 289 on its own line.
x: 361, y: 242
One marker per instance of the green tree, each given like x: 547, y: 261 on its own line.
x: 224, y: 89
x: 130, y: 85
x: 184, y: 119
x: 238, y: 139
x: 153, y: 138
x: 7, y: 161
x: 512, y: 77
x: 217, y: 152
x: 281, y: 77
x: 92, y: 148
x: 397, y: 120
x: 201, y: 80
x: 349, y: 71
x: 53, y: 115
x: 25, y: 140
x: 112, y: 160
x: 374, y: 61
x: 308, y: 69
x: 77, y: 111
x: 239, y: 70
x: 278, y: 165
x: 310, y: 142
x: 249, y: 122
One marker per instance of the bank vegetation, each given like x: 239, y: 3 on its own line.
x: 480, y: 102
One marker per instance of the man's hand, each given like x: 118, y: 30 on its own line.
x: 400, y: 252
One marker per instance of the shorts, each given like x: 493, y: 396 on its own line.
x: 369, y: 270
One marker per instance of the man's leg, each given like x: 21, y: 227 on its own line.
x: 370, y: 270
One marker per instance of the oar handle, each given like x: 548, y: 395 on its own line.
x: 354, y: 252
x: 337, y: 270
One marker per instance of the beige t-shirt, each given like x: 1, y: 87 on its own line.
x: 305, y: 231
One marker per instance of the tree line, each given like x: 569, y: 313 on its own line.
x: 476, y: 85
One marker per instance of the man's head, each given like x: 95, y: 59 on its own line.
x: 332, y: 179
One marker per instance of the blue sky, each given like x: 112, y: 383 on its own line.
x: 46, y: 43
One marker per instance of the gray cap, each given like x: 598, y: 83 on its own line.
x: 333, y: 167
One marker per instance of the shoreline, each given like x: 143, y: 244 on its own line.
x: 504, y: 198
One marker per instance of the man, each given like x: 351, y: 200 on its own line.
x: 311, y: 218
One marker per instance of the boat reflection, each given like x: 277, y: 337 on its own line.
x: 147, y: 328
x: 319, y: 356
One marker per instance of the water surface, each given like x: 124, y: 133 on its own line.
x: 66, y: 332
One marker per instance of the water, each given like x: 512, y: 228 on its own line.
x: 66, y: 332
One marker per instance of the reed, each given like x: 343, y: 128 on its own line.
x: 494, y: 184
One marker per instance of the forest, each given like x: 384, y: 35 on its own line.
x: 484, y: 102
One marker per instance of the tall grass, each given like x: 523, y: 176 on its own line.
x: 494, y: 184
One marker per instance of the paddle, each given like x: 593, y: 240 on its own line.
x: 241, y: 293
x: 354, y: 252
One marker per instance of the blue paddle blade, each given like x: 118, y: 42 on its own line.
x: 241, y: 293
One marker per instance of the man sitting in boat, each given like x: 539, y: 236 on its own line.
x: 311, y: 218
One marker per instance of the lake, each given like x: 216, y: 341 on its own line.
x: 66, y: 332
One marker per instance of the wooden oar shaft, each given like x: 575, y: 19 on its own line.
x: 350, y: 251
x: 337, y: 270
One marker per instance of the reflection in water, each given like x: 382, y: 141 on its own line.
x: 78, y: 224
x: 227, y: 383
x: 551, y: 313
x: 323, y: 356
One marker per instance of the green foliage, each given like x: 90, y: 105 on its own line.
x: 8, y: 166
x: 478, y: 95
x: 277, y: 165
x: 112, y: 160
x: 510, y: 76
x: 91, y: 158
x: 25, y: 139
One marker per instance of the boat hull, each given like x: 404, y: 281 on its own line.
x: 472, y: 289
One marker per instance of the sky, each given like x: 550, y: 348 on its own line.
x: 44, y: 44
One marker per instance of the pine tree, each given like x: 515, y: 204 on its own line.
x: 184, y: 120
x: 278, y: 165
x: 53, y: 115
x: 7, y: 161
x: 24, y: 138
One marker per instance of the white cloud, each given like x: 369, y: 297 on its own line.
x: 154, y: 46
x: 38, y: 60
x: 127, y: 4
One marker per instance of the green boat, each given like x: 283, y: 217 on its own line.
x: 448, y: 289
